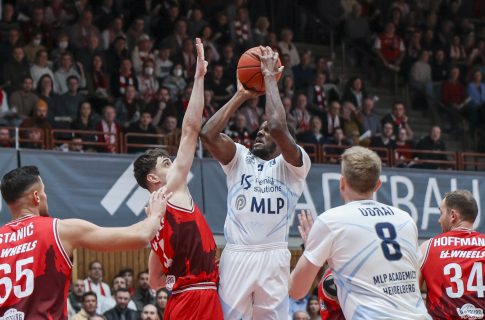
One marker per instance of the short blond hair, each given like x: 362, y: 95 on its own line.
x: 361, y: 169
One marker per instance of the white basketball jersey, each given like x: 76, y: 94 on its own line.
x: 373, y: 251
x: 262, y: 196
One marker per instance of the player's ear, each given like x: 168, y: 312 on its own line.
x: 378, y: 185
x: 454, y: 217
x: 35, y: 197
x: 342, y: 183
x: 152, y: 178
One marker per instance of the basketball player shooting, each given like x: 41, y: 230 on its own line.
x: 264, y: 185
x: 36, y: 251
x: 183, y: 251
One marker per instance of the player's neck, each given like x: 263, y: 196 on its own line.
x: 463, y: 225
x: 350, y: 196
x: 20, y: 211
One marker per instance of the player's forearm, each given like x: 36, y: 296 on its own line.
x: 144, y: 231
x: 274, y: 109
x: 218, y: 122
x: 193, y: 116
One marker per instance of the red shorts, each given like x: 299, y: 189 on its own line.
x: 194, y: 304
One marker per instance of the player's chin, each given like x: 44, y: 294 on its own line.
x: 258, y: 148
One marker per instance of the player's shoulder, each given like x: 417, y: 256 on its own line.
x: 241, y: 150
x: 337, y: 213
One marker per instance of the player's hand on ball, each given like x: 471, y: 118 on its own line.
x: 201, y: 68
x: 248, y: 94
x: 269, y: 62
x: 157, y: 205
x: 305, y: 223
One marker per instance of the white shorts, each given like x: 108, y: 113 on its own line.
x: 254, y: 281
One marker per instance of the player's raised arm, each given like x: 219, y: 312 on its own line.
x: 177, y: 175
x: 77, y: 233
x: 220, y: 146
x: 275, y: 112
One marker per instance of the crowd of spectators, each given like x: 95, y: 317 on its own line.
x: 127, y: 66
x: 435, y: 47
x: 125, y: 298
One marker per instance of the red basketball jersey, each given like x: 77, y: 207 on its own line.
x: 34, y: 270
x: 186, y: 248
x: 453, y: 270
x: 329, y: 308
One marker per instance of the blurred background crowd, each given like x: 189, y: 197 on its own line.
x: 409, y: 76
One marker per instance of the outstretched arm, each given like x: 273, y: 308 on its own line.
x: 275, y: 111
x: 220, y: 146
x: 77, y: 233
x: 177, y: 175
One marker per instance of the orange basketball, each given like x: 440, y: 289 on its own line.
x: 249, y: 70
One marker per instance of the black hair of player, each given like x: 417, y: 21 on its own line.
x: 145, y: 163
x: 17, y: 181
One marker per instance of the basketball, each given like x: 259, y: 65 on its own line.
x: 249, y: 70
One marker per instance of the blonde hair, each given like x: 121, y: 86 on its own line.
x: 361, y: 169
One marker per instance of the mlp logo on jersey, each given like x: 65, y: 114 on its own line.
x: 13, y: 314
x: 469, y: 311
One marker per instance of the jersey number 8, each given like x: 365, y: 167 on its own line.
x: 387, y: 233
x: 20, y: 272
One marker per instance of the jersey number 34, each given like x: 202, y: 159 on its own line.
x: 474, y: 283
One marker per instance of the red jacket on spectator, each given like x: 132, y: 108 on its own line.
x: 452, y: 93
x: 391, y: 47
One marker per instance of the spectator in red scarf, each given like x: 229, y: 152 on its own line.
x: 124, y: 78
x: 317, y: 94
x: 110, y: 128
x: 398, y: 119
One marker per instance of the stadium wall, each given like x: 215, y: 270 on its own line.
x: 101, y: 188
